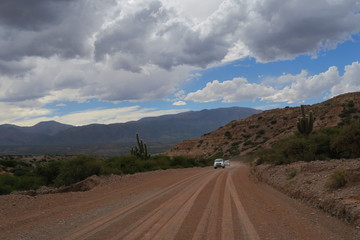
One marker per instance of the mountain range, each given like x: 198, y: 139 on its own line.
x: 160, y: 133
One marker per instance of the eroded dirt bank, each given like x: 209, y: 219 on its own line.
x: 197, y: 203
x: 307, y: 181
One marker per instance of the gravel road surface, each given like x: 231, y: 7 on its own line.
x: 196, y: 203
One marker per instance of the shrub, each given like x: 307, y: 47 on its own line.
x: 357, y: 196
x: 269, y: 156
x: 20, y: 171
x: 347, y: 143
x: 336, y: 180
x: 127, y: 164
x: 8, y: 163
x: 77, y: 169
x: 291, y: 173
x: 348, y: 110
x: 249, y: 142
x: 160, y: 162
x: 260, y: 132
x: 246, y: 135
x: 180, y: 161
x: 319, y: 145
x: 29, y: 182
x: 228, y: 134
x: 48, y: 171
x: 7, y: 183
x: 296, y: 149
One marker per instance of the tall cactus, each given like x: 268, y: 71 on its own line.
x: 140, y: 150
x: 305, y: 122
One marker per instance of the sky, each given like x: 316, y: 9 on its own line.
x: 80, y: 62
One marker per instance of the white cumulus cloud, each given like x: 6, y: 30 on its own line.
x: 295, y: 88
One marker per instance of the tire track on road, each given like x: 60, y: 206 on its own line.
x: 165, y: 221
x: 92, y: 228
x: 248, y: 228
x: 208, y: 227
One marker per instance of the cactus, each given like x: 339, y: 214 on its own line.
x: 305, y: 122
x: 140, y: 150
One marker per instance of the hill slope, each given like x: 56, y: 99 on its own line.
x: 263, y: 129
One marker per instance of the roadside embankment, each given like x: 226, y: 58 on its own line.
x: 333, y: 186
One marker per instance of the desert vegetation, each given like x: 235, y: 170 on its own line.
x: 324, y: 144
x: 342, y: 141
x: 19, y: 175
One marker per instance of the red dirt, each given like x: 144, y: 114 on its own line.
x: 197, y: 203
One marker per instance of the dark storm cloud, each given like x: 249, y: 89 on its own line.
x: 154, y: 35
x: 32, y: 14
x: 46, y: 28
x: 14, y: 68
x: 151, y: 32
x: 284, y: 29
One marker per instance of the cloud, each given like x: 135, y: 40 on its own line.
x: 349, y: 82
x: 235, y: 90
x: 304, y: 86
x: 179, y: 103
x: 14, y: 112
x: 78, y: 80
x: 46, y: 28
x: 158, y: 36
x: 101, y: 116
x: 276, y: 30
x: 295, y: 88
x: 117, y: 50
x: 32, y: 15
x: 133, y: 34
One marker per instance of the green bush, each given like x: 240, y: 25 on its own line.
x: 324, y: 144
x: 48, y: 172
x: 8, y: 163
x: 228, y: 134
x: 180, y: 162
x: 8, y: 183
x: 29, y: 182
x: 5, y: 189
x: 161, y: 162
x: 336, y: 180
x: 20, y: 171
x: 347, y: 143
x: 127, y: 164
x: 77, y: 169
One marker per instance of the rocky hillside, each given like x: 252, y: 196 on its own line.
x: 261, y: 130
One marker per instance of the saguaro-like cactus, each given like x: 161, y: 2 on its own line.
x: 141, y: 150
x: 305, y: 122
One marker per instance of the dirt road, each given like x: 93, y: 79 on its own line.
x: 198, y: 203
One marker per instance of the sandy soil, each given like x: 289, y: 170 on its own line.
x: 197, y: 203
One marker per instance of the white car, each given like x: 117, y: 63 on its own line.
x: 227, y: 162
x: 219, y: 162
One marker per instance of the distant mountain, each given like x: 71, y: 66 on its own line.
x: 160, y: 133
x: 264, y: 129
x: 48, y: 128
